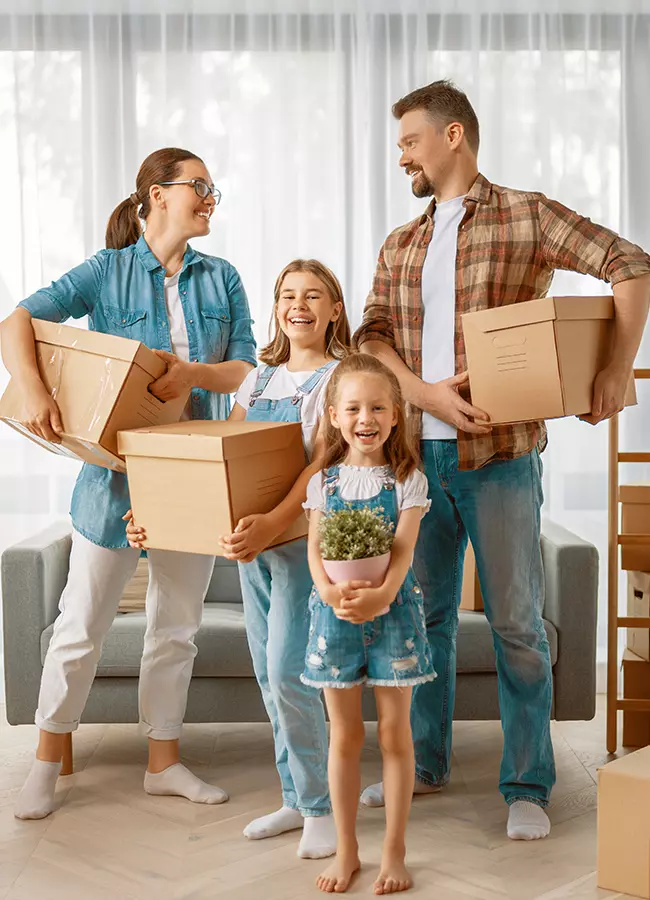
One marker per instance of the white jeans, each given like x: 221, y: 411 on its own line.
x: 178, y: 583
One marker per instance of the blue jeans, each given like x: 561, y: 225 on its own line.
x: 275, y: 589
x: 498, y: 507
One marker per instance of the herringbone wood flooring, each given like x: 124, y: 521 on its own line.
x: 110, y: 841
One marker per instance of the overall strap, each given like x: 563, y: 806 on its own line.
x: 264, y: 375
x: 330, y: 479
x: 314, y: 379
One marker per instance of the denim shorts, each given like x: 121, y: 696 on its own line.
x: 390, y: 651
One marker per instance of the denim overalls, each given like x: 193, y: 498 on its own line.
x: 275, y: 590
x: 390, y: 651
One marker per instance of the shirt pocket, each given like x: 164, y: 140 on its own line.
x: 128, y: 323
x: 217, y: 327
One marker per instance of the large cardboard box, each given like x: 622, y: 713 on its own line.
x: 624, y: 825
x: 635, y: 519
x: 471, y: 597
x: 539, y: 359
x: 100, y: 383
x: 638, y: 606
x: 636, y: 686
x: 192, y: 482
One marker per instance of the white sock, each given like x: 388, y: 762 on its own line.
x: 373, y: 795
x: 527, y: 821
x: 318, y: 838
x: 36, y: 800
x: 178, y: 781
x: 284, y: 819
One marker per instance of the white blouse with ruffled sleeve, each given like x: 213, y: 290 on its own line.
x: 364, y: 482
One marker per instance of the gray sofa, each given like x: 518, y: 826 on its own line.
x: 223, y: 688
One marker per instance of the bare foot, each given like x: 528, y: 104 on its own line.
x: 393, y: 876
x: 337, y: 877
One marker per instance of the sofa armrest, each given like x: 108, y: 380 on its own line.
x: 571, y: 604
x: 34, y: 574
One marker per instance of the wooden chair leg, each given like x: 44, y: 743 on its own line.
x: 66, y: 761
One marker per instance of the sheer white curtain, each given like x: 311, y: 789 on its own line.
x: 289, y: 105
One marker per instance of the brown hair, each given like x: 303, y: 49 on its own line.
x: 124, y: 226
x: 445, y: 103
x: 399, y: 449
x: 337, y: 336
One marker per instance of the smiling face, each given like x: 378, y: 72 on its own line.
x: 305, y: 309
x: 182, y: 208
x: 365, y: 413
x: 427, y: 151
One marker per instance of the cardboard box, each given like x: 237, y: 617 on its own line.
x: 471, y: 597
x: 638, y: 605
x: 192, y: 482
x: 636, y: 686
x: 539, y: 359
x: 100, y: 383
x: 635, y: 519
x: 624, y: 825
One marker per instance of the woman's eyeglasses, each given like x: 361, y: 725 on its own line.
x: 201, y: 188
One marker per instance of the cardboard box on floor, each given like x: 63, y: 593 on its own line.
x: 624, y: 825
x: 636, y: 686
x: 638, y: 606
x: 635, y: 519
x: 192, y: 482
x: 99, y: 382
x: 471, y: 597
x: 539, y: 359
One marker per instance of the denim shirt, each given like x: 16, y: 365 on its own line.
x: 123, y: 292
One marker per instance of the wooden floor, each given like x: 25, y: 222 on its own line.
x: 110, y: 841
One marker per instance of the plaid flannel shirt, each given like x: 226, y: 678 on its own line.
x: 509, y: 244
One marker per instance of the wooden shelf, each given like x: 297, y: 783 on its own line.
x: 633, y: 622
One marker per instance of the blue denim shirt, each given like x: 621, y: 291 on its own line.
x: 122, y: 293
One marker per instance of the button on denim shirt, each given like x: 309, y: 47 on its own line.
x: 122, y: 292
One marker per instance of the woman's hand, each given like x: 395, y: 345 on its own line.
x: 41, y: 415
x: 363, y: 604
x: 176, y: 381
x: 252, y: 535
x: 134, y: 534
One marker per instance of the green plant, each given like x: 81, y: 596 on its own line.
x: 355, y: 533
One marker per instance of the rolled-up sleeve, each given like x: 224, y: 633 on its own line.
x: 71, y: 296
x: 377, y: 324
x: 241, y: 344
x: 575, y: 243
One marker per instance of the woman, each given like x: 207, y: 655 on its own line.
x: 193, y: 310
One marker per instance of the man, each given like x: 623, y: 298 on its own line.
x: 478, y: 246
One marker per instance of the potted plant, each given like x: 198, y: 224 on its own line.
x: 355, y: 545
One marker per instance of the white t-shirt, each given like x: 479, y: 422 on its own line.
x: 283, y: 384
x: 439, y: 304
x: 364, y: 482
x: 177, y: 328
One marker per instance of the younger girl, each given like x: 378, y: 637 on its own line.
x: 368, y: 462
x: 311, y: 335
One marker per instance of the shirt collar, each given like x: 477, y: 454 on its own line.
x: 479, y: 192
x: 150, y: 262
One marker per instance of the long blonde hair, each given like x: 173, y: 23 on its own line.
x: 400, y: 450
x: 337, y: 336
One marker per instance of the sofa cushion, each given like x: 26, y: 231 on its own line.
x: 223, y: 649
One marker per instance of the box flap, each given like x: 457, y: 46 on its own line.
x: 546, y: 309
x: 634, y: 493
x: 212, y: 441
x: 101, y: 344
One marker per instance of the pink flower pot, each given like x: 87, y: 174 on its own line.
x: 372, y: 569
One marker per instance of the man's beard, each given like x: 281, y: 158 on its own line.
x: 421, y: 186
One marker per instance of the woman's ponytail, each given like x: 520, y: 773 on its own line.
x: 124, y: 226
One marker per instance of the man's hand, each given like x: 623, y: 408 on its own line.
x: 610, y: 388
x: 176, y: 381
x: 443, y: 401
x: 363, y: 604
x: 252, y: 535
